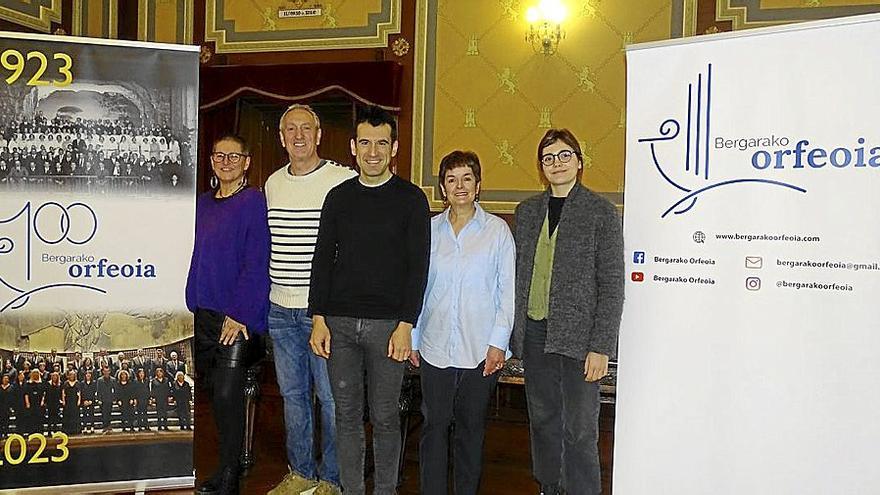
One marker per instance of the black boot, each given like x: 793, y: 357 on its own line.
x: 211, y: 486
x: 229, y: 481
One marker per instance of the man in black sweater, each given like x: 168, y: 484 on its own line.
x: 368, y: 278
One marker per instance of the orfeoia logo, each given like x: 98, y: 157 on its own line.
x: 51, y: 224
x: 693, y: 177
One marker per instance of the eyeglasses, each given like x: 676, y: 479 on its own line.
x: 219, y: 156
x: 564, y: 156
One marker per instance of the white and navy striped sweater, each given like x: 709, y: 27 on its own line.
x: 294, y: 215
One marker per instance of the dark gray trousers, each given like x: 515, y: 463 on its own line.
x: 358, y: 345
x: 461, y: 395
x: 563, y: 418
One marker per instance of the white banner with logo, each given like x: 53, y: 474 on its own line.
x: 97, y: 181
x: 749, y: 346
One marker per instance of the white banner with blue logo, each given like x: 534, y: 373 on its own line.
x: 97, y: 181
x: 749, y: 347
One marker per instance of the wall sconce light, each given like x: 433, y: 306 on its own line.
x: 545, y: 26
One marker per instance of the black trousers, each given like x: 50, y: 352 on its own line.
x: 162, y: 411
x: 223, y: 368
x: 127, y: 414
x: 71, y: 422
x: 88, y: 415
x: 4, y: 422
x: 183, y: 414
x: 142, y: 414
x: 106, y: 413
x: 53, y: 418
x: 36, y: 417
x: 460, y: 397
x: 563, y: 418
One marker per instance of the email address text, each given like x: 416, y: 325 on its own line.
x: 834, y: 265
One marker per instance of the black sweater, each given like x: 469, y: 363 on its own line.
x: 371, y: 258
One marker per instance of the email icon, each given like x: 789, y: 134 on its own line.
x: 754, y: 262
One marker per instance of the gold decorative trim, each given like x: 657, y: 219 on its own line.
x: 185, y: 20
x: 311, y: 94
x: 379, y: 39
x: 78, y: 22
x: 739, y: 16
x: 189, y: 21
x: 143, y: 19
x: 751, y: 13
x: 400, y: 47
x: 205, y: 54
x: 418, y: 135
x: 42, y: 23
x: 689, y: 17
x: 113, y: 14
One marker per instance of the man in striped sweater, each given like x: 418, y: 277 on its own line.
x: 295, y: 194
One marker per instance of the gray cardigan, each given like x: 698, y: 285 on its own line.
x: 586, y: 288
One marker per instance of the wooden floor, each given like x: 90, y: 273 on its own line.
x: 506, y: 466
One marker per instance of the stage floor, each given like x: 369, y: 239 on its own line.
x: 506, y: 466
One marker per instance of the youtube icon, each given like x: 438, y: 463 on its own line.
x: 638, y: 277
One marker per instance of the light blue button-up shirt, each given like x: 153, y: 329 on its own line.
x: 470, y: 295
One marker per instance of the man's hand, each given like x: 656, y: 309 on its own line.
x: 414, y: 359
x: 400, y: 343
x: 230, y: 331
x: 320, y: 339
x: 494, y: 361
x: 595, y: 367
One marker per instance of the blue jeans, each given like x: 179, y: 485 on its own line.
x: 298, y: 369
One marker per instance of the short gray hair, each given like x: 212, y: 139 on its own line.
x: 299, y: 106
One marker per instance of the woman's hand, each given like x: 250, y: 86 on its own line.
x: 595, y: 367
x: 414, y: 358
x: 494, y: 361
x: 230, y: 331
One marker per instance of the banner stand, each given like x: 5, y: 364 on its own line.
x: 748, y: 344
x: 97, y: 199
x: 138, y: 486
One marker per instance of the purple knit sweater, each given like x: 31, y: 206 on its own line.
x: 229, y: 271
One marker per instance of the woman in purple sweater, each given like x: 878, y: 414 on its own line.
x: 228, y: 290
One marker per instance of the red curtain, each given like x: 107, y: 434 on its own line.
x: 368, y: 83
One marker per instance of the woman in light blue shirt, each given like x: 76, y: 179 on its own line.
x: 461, y: 339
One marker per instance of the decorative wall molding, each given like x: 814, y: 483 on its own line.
x: 95, y: 18
x: 228, y: 39
x: 166, y: 21
x: 745, y: 14
x: 35, y: 14
x: 755, y: 13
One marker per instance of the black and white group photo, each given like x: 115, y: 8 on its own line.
x: 99, y: 139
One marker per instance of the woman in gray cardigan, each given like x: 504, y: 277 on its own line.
x: 569, y: 298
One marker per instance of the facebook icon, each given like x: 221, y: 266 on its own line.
x: 638, y: 257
